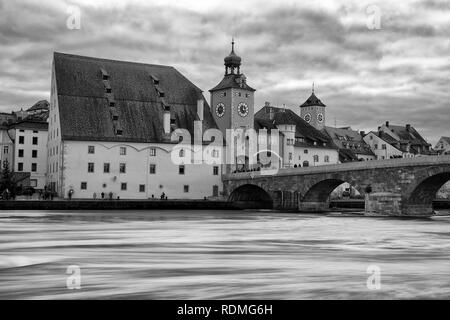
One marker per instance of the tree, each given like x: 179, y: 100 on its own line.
x: 7, y: 181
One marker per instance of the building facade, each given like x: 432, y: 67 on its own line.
x: 393, y: 141
x: 30, y: 150
x: 110, y: 131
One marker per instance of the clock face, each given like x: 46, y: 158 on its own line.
x: 220, y: 109
x: 242, y: 109
x: 320, y: 117
x: 308, y: 117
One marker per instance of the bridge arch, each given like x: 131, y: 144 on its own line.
x: 425, y: 191
x: 320, y: 191
x: 251, y: 196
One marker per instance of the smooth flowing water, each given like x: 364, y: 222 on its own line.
x: 221, y: 255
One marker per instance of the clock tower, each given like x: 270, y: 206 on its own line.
x: 232, y: 100
x: 313, y: 111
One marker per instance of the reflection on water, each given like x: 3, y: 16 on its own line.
x: 221, y: 255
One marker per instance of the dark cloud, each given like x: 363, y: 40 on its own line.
x: 399, y: 73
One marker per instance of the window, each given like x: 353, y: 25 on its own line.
x: 305, y: 151
x: 35, y: 140
x: 326, y: 159
x: 186, y: 188
x: 181, y: 153
x: 383, y: 146
x: 305, y: 163
x: 119, y: 132
x: 122, y: 168
x: 83, y: 186
x: 21, y: 130
x: 375, y: 146
x: 35, y: 131
x: 20, y: 166
x: 316, y: 158
x: 290, y: 155
x: 152, y: 152
x: 108, y: 90
x: 181, y: 169
x: 224, y: 94
x: 152, y: 168
x: 123, y: 186
x: 90, y: 167
x: 123, y: 151
x: 142, y: 188
x: 33, y: 167
x: 21, y: 139
x: 5, y: 149
x: 215, y: 153
x: 106, y: 168
x: 20, y: 153
x: 216, y: 170
x: 91, y: 149
x: 33, y: 183
x: 34, y: 153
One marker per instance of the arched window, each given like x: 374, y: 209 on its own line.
x: 326, y: 159
x: 305, y: 163
x: 316, y: 158
x: 181, y: 153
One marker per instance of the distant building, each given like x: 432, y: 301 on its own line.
x: 393, y: 141
x: 303, y: 145
x: 110, y: 129
x: 351, y: 144
x: 443, y: 145
x: 30, y: 149
x: 23, y: 138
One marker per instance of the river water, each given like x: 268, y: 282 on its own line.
x: 221, y: 255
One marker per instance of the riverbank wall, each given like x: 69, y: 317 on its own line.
x: 116, y: 205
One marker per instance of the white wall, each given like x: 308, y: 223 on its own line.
x: 376, y: 145
x: 27, y: 160
x: 199, y: 177
x: 300, y: 156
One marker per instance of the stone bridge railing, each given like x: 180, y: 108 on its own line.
x: 349, y: 166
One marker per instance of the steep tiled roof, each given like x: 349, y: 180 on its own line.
x: 345, y: 138
x: 346, y: 155
x: 410, y: 135
x: 84, y: 107
x: 40, y: 105
x: 446, y: 139
x: 303, y: 129
x: 231, y: 81
x: 312, y: 101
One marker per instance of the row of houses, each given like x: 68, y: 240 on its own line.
x: 108, y: 129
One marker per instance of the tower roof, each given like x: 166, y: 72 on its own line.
x: 312, y: 101
x: 232, y: 60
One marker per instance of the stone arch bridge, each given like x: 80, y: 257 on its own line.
x: 414, y: 181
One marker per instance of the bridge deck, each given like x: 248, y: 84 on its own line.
x: 350, y: 166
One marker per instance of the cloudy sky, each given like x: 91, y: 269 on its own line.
x: 365, y: 72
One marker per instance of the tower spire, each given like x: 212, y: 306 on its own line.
x: 232, y: 44
x: 313, y: 87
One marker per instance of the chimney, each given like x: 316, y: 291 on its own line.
x: 362, y: 133
x: 200, y: 109
x: 408, y: 127
x: 387, y: 123
x: 166, y: 120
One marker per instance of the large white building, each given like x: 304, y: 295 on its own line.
x: 110, y: 127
